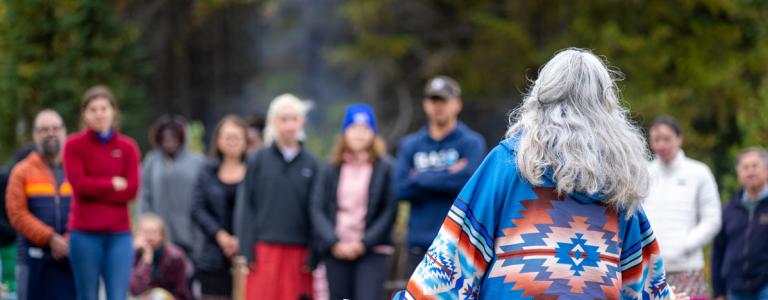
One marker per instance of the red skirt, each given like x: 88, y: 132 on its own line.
x: 279, y: 272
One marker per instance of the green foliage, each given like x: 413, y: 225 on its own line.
x: 322, y: 139
x: 701, y: 61
x: 52, y: 51
x: 203, y: 9
x: 195, y: 133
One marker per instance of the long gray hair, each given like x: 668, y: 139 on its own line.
x: 571, y: 122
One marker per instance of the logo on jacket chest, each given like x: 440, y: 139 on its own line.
x: 763, y: 220
x: 306, y: 172
x: 117, y: 153
x: 435, y: 160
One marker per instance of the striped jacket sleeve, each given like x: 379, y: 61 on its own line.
x: 457, y: 260
x: 17, y: 207
x: 642, y: 269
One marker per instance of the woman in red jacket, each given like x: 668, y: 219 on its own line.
x: 103, y: 167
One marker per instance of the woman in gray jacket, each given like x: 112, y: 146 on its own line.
x: 168, y: 176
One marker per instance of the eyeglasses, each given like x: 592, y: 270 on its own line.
x: 51, y: 129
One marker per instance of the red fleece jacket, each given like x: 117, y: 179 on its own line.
x: 90, y: 165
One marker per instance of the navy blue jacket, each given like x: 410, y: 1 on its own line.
x: 740, y: 251
x: 423, y: 177
x: 38, y: 204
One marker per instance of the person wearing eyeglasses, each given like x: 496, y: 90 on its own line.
x: 37, y: 203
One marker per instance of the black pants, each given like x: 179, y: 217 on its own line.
x: 215, y: 283
x: 50, y: 279
x: 360, y: 279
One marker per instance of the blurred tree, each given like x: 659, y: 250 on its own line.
x: 701, y: 61
x: 52, y: 51
x: 704, y: 62
x: 216, y: 57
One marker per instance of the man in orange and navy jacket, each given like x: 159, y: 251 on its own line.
x: 37, y: 201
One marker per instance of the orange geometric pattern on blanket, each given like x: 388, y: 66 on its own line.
x: 550, y: 248
x: 525, y: 281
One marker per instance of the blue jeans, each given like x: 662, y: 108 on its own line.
x: 108, y: 256
x: 762, y: 294
x: 22, y: 273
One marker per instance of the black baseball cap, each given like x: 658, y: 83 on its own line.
x: 442, y: 87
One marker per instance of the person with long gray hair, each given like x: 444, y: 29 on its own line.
x: 554, y: 210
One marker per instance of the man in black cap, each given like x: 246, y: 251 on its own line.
x: 434, y: 163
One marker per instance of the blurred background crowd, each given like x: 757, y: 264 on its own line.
x: 193, y: 88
